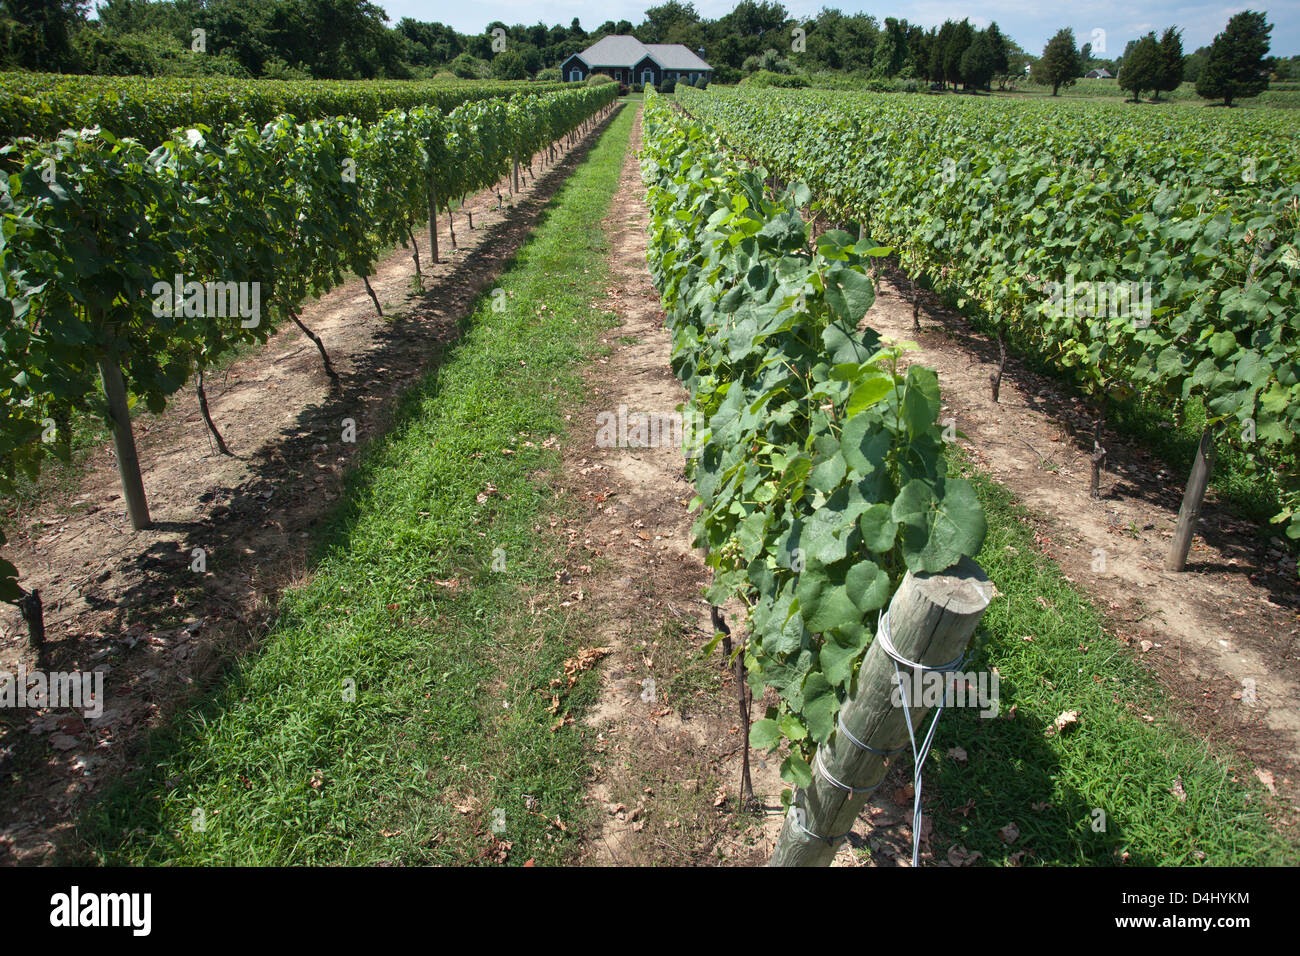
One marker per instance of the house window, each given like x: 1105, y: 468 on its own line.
x: 575, y: 75
x: 647, y: 76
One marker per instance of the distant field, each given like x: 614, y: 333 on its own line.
x: 1285, y: 95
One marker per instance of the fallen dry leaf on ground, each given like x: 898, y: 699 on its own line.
x: 1266, y: 778
x: 585, y: 661
x: 960, y: 856
x: 1064, y: 719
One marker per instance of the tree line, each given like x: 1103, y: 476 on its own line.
x: 1235, y: 66
x: 347, y: 39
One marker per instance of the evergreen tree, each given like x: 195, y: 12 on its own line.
x: 1143, y: 67
x: 1235, y: 65
x: 1171, y: 61
x: 937, y: 47
x: 977, y: 63
x: 959, y: 39
x: 1059, y: 65
x: 922, y: 44
x: 1000, y: 49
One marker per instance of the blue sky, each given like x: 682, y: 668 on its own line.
x: 1029, y: 22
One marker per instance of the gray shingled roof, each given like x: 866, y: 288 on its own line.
x: 675, y: 56
x: 627, y: 51
x: 614, y: 51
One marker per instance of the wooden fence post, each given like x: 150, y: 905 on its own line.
x: 932, y: 618
x: 433, y: 218
x: 1193, y: 498
x: 128, y: 463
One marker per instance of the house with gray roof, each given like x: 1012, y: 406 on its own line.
x: 628, y: 60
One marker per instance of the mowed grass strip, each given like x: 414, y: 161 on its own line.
x: 400, y: 710
x: 1168, y: 798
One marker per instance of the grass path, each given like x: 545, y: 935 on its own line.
x: 1127, y: 783
x: 400, y: 711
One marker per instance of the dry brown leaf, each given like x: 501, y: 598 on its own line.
x: 1266, y: 778
x: 960, y: 856
x: 1066, y: 718
x: 586, y: 659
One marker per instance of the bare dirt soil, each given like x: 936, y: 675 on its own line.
x: 1230, y: 619
x: 129, y: 604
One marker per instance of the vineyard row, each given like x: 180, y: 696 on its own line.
x: 97, y: 230
x: 1142, y: 255
x: 821, y: 476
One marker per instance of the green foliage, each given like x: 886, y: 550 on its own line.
x: 289, y: 770
x: 509, y: 65
x: 770, y: 61
x: 764, y: 78
x: 1059, y: 65
x: 1234, y: 68
x: 953, y: 47
x: 1143, y: 67
x: 978, y: 63
x: 820, y: 472
x: 468, y: 68
x: 289, y: 208
x: 1036, y: 205
x: 38, y: 34
x: 1172, y: 61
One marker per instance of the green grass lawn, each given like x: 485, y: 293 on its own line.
x: 401, y: 705
x: 1113, y: 759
